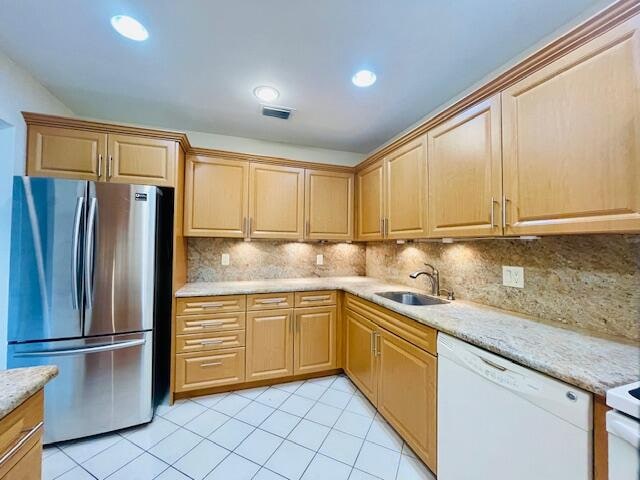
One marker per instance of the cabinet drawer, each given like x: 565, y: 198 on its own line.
x: 267, y: 301
x: 202, y: 370
x: 316, y: 299
x: 209, y: 341
x: 217, y: 322
x: 410, y: 330
x: 223, y: 303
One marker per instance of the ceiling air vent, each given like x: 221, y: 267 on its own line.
x: 278, y: 112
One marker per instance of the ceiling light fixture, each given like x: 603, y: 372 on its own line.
x: 364, y: 78
x: 129, y: 27
x: 266, y: 94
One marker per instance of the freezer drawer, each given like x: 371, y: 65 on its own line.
x: 104, y: 384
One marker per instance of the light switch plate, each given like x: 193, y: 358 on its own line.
x: 320, y: 259
x: 513, y: 277
x: 224, y: 260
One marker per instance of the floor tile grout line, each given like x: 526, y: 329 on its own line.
x: 137, y: 456
x: 75, y: 464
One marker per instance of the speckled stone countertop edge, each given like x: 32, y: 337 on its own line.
x: 579, y: 358
x: 18, y: 384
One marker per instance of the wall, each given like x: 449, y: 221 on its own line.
x: 589, y: 281
x: 19, y: 91
x: 271, y: 259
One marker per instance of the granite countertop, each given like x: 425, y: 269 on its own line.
x: 594, y: 363
x: 18, y: 384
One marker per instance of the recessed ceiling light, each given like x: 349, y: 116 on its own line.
x: 266, y: 94
x: 364, y: 78
x: 129, y: 27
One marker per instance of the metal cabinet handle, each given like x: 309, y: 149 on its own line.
x: 505, y: 200
x: 493, y: 220
x: 377, y: 340
x: 25, y: 438
x: 210, y: 364
x: 244, y: 226
x: 382, y: 227
x: 99, y: 165
x: 268, y: 301
x: 211, y: 342
x: 373, y: 344
x: 213, y: 323
x: 493, y: 364
x: 212, y: 305
x: 307, y: 229
x: 386, y: 227
x: 109, y: 166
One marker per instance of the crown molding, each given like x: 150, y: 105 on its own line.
x: 598, y: 24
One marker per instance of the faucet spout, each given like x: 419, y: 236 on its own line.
x: 433, y: 276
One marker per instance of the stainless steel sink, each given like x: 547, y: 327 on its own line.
x: 410, y: 298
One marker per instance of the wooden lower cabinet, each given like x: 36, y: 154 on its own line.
x: 407, y: 378
x: 314, y: 339
x: 269, y: 344
x: 29, y: 467
x: 200, y: 370
x: 360, y: 362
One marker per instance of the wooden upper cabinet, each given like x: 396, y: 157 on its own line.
x: 314, y: 340
x: 407, y: 395
x: 216, y: 197
x: 571, y: 135
x: 465, y: 173
x: 269, y: 350
x: 141, y: 160
x: 65, y: 152
x: 405, y: 191
x: 360, y: 358
x: 370, y: 202
x: 276, y: 205
x: 328, y: 205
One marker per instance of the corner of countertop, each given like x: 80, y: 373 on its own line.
x: 18, y: 384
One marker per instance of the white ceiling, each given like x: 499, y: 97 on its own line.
x: 204, y: 57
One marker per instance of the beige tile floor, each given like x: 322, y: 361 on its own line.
x: 320, y: 429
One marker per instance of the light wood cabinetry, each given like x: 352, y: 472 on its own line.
x: 65, y: 152
x: 465, y: 173
x: 216, y: 197
x: 360, y: 361
x: 209, y: 305
x: 370, y: 202
x: 21, y: 440
x: 407, y: 379
x: 314, y: 339
x: 392, y: 360
x: 209, y: 369
x: 269, y: 344
x: 328, y: 205
x: 140, y: 160
x: 276, y: 204
x: 571, y: 134
x: 269, y: 301
x: 406, y: 191
x: 316, y: 298
x: 100, y: 156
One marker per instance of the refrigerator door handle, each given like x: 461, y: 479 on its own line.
x: 75, y: 254
x: 75, y: 351
x: 89, y: 252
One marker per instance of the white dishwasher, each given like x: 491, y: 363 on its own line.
x: 500, y: 421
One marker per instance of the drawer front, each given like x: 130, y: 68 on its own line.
x: 317, y: 298
x: 268, y: 301
x: 203, y: 370
x: 218, y: 322
x: 200, y: 305
x: 200, y: 342
x: 21, y: 432
x: 420, y: 335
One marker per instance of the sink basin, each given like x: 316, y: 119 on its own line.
x: 410, y: 298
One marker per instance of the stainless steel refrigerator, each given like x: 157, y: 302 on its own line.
x: 81, y: 296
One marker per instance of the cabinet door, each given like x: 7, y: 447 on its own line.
x: 29, y: 467
x: 328, y: 205
x: 276, y: 208
x: 216, y: 197
x: 269, y: 344
x: 315, y: 339
x: 370, y: 201
x: 406, y: 191
x: 407, y: 393
x: 141, y: 160
x: 572, y: 140
x: 465, y: 173
x: 361, y: 361
x: 65, y: 152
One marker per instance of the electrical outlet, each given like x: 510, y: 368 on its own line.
x: 320, y: 259
x: 224, y: 259
x: 513, y: 277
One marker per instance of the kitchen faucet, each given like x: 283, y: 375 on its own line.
x: 434, y: 277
